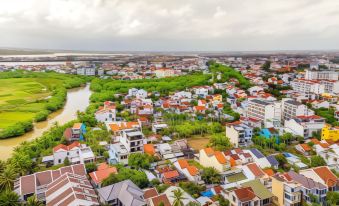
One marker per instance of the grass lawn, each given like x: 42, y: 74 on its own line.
x: 18, y: 98
x: 198, y: 142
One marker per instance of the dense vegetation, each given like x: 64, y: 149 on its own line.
x: 328, y: 114
x: 227, y: 73
x: 31, y: 96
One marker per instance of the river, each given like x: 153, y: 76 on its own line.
x: 77, y: 100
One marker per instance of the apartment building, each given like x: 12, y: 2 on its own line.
x: 291, y: 109
x: 87, y: 71
x: 133, y: 140
x: 304, y: 126
x: 330, y: 86
x: 330, y: 133
x: 308, y: 86
x: 240, y: 135
x: 264, y: 110
x: 321, y: 74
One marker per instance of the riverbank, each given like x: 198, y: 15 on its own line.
x: 77, y: 100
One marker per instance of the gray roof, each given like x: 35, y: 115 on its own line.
x: 258, y: 101
x: 271, y: 159
x: 126, y: 191
x: 293, y: 102
x: 305, y: 181
x: 257, y: 153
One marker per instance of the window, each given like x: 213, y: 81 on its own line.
x: 59, y: 161
x: 234, y: 199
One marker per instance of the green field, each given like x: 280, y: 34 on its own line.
x: 22, y: 98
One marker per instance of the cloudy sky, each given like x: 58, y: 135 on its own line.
x: 170, y: 25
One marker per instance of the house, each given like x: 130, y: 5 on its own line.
x: 304, y: 126
x: 122, y: 193
x: 270, y: 133
x: 199, y: 109
x: 75, y: 153
x: 287, y: 191
x: 261, y: 192
x: 309, y: 187
x: 157, y: 127
x: 294, y: 160
x: 118, y: 127
x: 164, y: 72
x: 149, y: 149
x: 107, y: 113
x: 304, y: 149
x: 240, y: 135
x: 324, y: 176
x: 172, y: 176
x: 133, y: 140
x: 76, y: 132
x: 158, y: 200
x: 210, y: 158
x: 36, y: 184
x: 191, y: 172
x: 330, y: 133
x: 118, y: 153
x: 103, y: 171
x: 138, y: 93
x: 71, y: 189
x: 243, y: 196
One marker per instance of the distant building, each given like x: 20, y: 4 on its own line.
x: 87, y: 71
x: 317, y: 74
x: 164, y: 72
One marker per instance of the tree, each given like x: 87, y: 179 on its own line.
x: 317, y: 161
x: 34, y: 201
x: 66, y: 162
x: 210, y: 175
x: 191, y: 203
x: 178, y: 196
x: 223, y: 201
x: 266, y: 66
x: 220, y: 142
x: 7, y: 178
x: 192, y: 188
x: 332, y: 198
x: 138, y: 160
x: 90, y: 167
x: 9, y: 198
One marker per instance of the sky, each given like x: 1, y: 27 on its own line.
x: 170, y: 25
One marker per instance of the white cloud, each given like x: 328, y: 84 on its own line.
x: 170, y: 25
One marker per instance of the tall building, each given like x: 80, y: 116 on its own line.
x: 264, y: 110
x: 321, y: 74
x: 291, y: 109
x: 308, y: 86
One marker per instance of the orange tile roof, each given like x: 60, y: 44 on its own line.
x: 315, y: 141
x: 77, y: 125
x: 171, y: 174
x: 209, y: 151
x: 244, y: 194
x: 220, y: 157
x: 327, y: 175
x: 99, y: 175
x: 183, y: 163
x: 269, y: 172
x: 67, y: 148
x: 200, y: 108
x: 149, y: 149
x: 103, y: 166
x: 305, y: 147
x: 115, y: 127
x: 255, y: 169
x: 192, y: 170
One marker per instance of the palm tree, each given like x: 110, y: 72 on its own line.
x: 178, y: 196
x: 33, y: 201
x: 9, y: 198
x: 7, y: 178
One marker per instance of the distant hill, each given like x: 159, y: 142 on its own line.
x: 22, y: 52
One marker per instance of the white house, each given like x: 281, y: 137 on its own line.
x: 107, y: 113
x: 239, y: 134
x: 304, y: 125
x: 191, y: 172
x: 75, y: 152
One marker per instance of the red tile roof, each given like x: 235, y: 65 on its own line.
x: 327, y: 176
x: 99, y: 175
x: 171, y: 174
x: 255, y: 169
x: 244, y: 194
